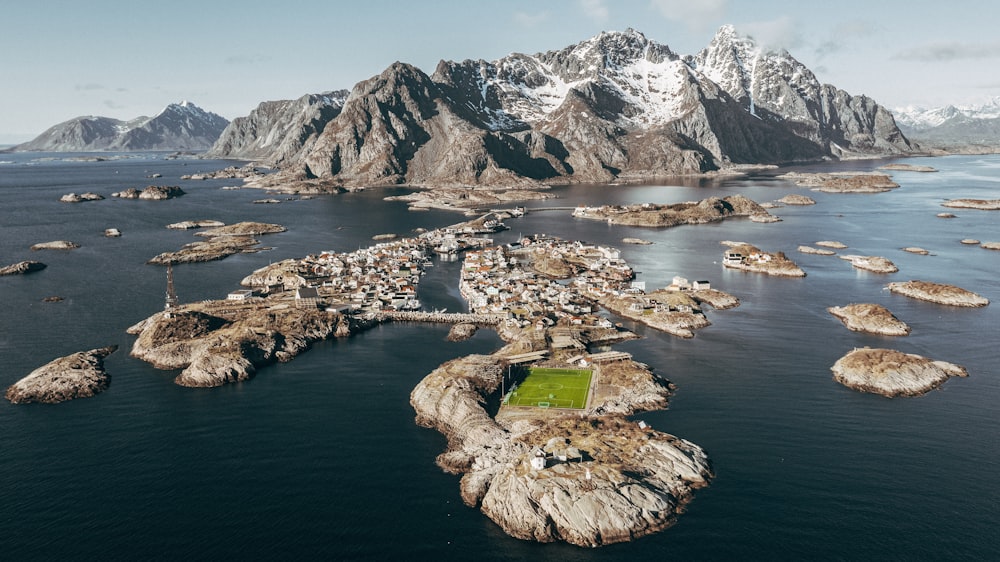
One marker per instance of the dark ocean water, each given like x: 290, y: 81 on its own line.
x: 320, y: 457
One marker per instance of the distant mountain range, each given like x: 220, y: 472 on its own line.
x: 953, y: 127
x: 617, y: 106
x: 180, y: 126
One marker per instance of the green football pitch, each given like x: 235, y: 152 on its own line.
x: 552, y: 388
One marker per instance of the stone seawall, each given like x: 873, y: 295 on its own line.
x: 442, y: 317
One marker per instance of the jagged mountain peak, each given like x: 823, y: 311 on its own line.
x: 616, y: 105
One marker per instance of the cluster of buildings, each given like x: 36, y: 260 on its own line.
x: 494, y: 281
x: 380, y: 277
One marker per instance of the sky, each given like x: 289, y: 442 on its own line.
x: 63, y: 59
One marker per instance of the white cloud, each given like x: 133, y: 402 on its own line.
x: 943, y: 52
x: 530, y: 20
x: 781, y: 33
x: 595, y: 10
x: 696, y: 14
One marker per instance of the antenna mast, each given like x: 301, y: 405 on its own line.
x: 171, y: 301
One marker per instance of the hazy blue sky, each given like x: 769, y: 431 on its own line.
x: 62, y: 59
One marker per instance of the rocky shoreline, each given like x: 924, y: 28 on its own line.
x: 79, y: 375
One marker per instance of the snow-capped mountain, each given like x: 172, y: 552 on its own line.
x: 970, y: 128
x: 179, y: 126
x: 915, y: 118
x: 616, y: 106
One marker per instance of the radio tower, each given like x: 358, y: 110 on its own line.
x: 171, y: 301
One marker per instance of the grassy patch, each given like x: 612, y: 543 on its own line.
x: 552, y: 388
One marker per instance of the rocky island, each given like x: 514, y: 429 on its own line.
x: 80, y: 198
x: 870, y: 318
x: 708, y: 210
x: 938, y: 293
x: 55, y: 245
x: 584, y: 477
x: 875, y: 264
x: 79, y: 375
x: 843, y: 182
x: 219, y: 243
x: 817, y: 251
x: 907, y: 168
x: 746, y: 257
x: 152, y: 193
x: 22, y: 267
x: 224, y: 341
x: 892, y: 373
x: 981, y: 204
x: 796, y: 199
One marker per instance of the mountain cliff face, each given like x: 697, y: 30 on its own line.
x: 615, y: 107
x: 276, y: 131
x: 182, y: 126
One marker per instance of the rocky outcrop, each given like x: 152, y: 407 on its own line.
x: 277, y: 131
x: 871, y: 318
x: 981, y: 204
x: 55, y: 245
x: 80, y: 197
x: 462, y: 332
x: 220, y: 342
x: 875, y: 264
x: 916, y: 250
x: 708, y: 210
x: 182, y: 126
x: 938, y: 293
x: 22, y: 267
x: 152, y: 193
x: 907, y: 168
x: 79, y: 375
x: 187, y: 225
x: 892, y: 373
x: 796, y: 199
x: 816, y: 251
x: 843, y: 182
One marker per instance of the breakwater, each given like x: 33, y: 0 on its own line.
x: 441, y: 317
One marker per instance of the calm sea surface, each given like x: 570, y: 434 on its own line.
x: 320, y: 458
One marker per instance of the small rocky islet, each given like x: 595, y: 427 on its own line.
x: 939, y: 293
x: 892, y: 373
x: 79, y: 375
x: 871, y: 318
